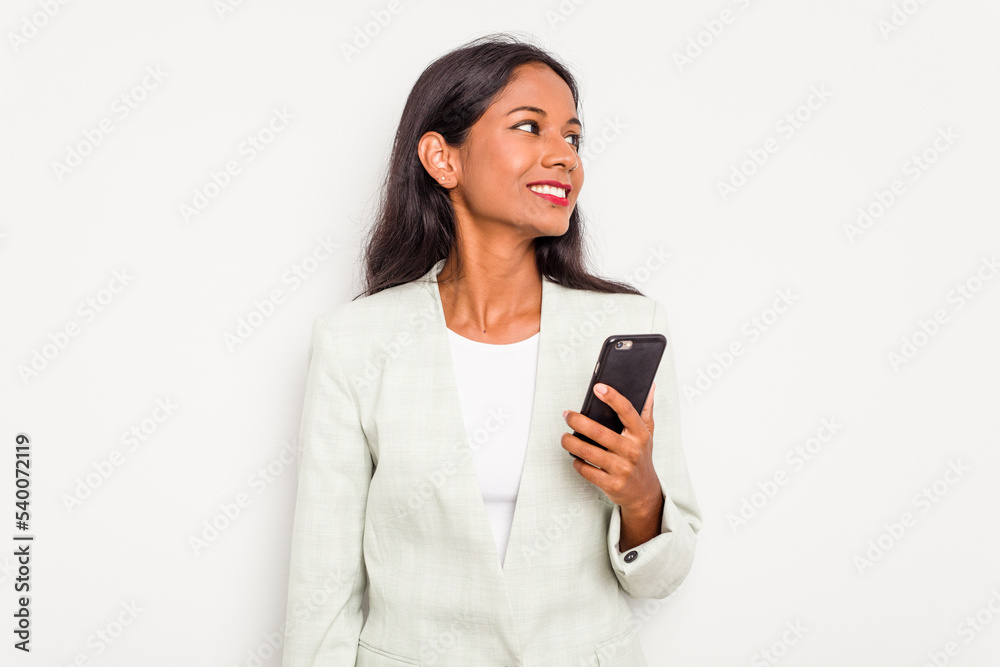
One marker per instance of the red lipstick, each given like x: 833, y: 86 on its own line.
x: 561, y: 201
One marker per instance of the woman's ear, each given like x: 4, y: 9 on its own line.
x: 438, y: 158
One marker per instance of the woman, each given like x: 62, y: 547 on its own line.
x: 435, y: 466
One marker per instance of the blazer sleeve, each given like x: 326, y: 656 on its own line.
x: 327, y: 576
x: 657, y: 567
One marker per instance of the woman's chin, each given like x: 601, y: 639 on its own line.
x: 555, y: 229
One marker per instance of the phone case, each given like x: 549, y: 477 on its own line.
x: 629, y: 370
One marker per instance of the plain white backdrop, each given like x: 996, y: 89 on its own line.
x: 838, y: 160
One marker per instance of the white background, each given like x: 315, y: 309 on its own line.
x: 674, y: 130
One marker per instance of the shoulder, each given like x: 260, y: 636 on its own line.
x: 637, y: 309
x: 377, y: 315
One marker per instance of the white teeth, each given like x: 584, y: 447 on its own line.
x: 548, y: 190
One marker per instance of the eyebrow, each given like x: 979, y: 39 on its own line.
x: 541, y: 112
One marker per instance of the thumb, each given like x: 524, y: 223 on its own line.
x: 647, y: 409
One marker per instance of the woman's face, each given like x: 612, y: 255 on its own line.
x: 527, y: 136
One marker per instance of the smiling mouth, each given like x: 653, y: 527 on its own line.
x: 551, y: 193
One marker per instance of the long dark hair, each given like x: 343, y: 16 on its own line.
x: 415, y: 221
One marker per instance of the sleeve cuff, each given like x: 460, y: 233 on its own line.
x: 655, y: 568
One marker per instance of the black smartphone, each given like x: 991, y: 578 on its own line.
x: 628, y: 364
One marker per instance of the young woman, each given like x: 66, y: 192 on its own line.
x: 435, y: 469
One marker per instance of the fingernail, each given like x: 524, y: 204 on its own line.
x: 600, y: 388
x: 565, y: 412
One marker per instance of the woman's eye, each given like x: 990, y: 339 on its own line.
x: 575, y: 140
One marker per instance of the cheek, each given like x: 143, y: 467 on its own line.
x: 500, y: 176
x: 512, y: 163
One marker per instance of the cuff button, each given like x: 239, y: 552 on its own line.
x: 631, y: 556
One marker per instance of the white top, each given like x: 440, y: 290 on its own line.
x: 496, y: 388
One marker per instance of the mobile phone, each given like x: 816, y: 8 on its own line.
x: 628, y: 364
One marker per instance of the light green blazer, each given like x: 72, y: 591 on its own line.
x: 388, y: 499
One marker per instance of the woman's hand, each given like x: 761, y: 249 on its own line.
x: 626, y: 473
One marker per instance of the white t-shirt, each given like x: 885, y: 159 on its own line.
x: 496, y: 388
